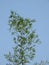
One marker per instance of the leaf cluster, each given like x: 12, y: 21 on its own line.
x: 24, y: 37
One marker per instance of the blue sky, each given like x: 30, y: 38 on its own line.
x: 34, y: 9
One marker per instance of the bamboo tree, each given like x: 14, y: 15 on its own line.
x: 25, y: 39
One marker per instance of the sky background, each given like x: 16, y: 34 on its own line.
x: 34, y: 9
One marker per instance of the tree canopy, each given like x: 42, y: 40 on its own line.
x: 25, y: 39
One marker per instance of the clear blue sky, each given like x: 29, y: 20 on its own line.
x: 34, y: 9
